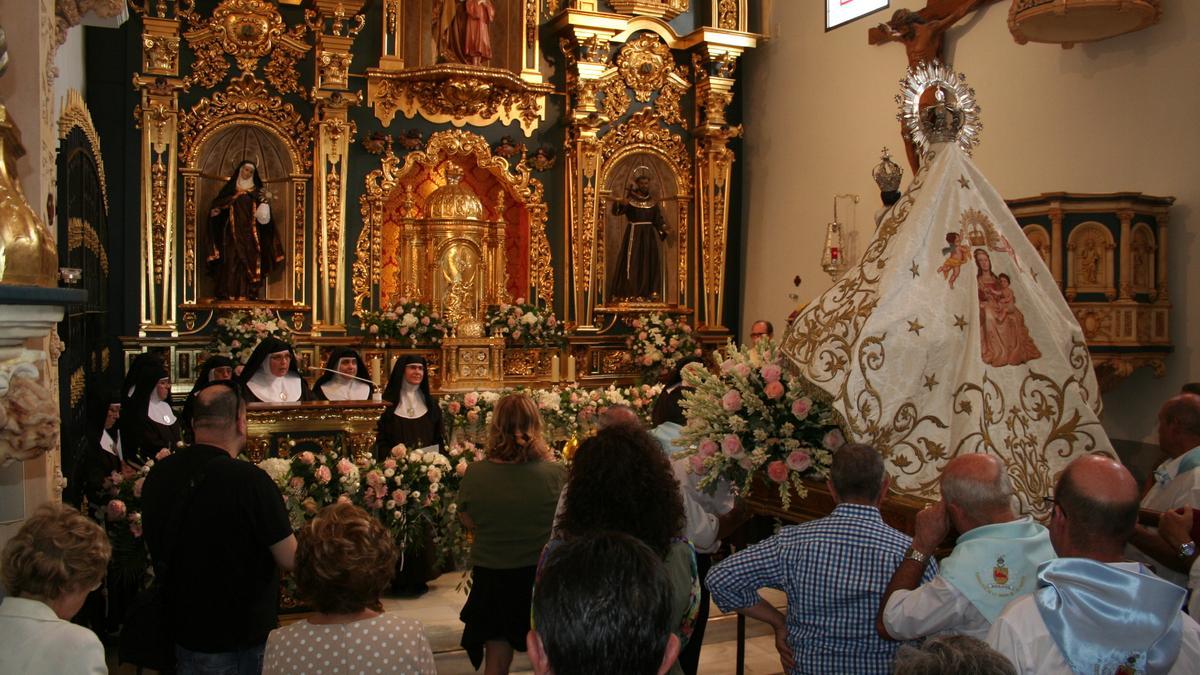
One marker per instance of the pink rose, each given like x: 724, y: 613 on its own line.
x: 742, y: 370
x: 322, y: 474
x: 731, y: 445
x: 296, y: 483
x: 424, y: 321
x: 642, y: 336
x: 731, y: 401
x: 345, y: 466
x: 771, y: 372
x: 777, y: 471
x: 637, y: 324
x: 708, y: 448
x: 399, y: 451
x: 727, y: 366
x: 745, y: 463
x: 235, y: 344
x: 647, y: 360
x: 137, y: 486
x: 551, y: 321
x: 404, y: 330
x: 115, y: 510
x: 389, y: 463
x: 461, y: 468
x: 686, y: 328
x: 669, y: 322
x: 400, y: 495
x: 802, y: 407
x: 697, y: 463
x: 162, y: 454
x: 470, y: 399
x: 454, y: 407
x: 773, y: 390
x: 307, y: 457
x: 833, y: 440
x: 799, y: 461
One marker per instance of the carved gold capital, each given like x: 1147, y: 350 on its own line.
x: 457, y: 94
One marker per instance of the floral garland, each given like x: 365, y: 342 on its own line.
x: 754, y: 416
x: 567, y: 411
x: 238, y: 334
x: 659, y: 343
x: 409, y: 322
x: 310, y: 480
x: 524, y: 324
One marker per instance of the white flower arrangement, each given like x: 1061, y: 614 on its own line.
x: 238, y: 333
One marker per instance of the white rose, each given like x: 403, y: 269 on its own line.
x: 529, y: 319
x: 409, y: 320
x: 388, y: 473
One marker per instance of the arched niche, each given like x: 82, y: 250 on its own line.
x: 664, y: 186
x: 1090, y: 261
x: 1040, y: 238
x: 397, y: 192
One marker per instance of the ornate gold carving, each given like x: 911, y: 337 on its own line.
x: 247, y: 30
x: 189, y: 227
x: 644, y: 63
x: 334, y: 67
x: 457, y: 93
x: 527, y: 362
x: 616, y: 99
x: 158, y: 221
x: 189, y: 321
x: 298, y: 234
x: 333, y: 225
x: 160, y: 54
x: 727, y: 14
x: 76, y: 114
x: 614, y: 362
x: 381, y: 182
x: 80, y: 233
x: 662, y: 9
x: 78, y: 386
x: 245, y: 100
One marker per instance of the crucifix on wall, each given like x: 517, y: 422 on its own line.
x: 921, y: 32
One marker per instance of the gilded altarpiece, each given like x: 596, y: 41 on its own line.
x: 243, y: 97
x: 646, y: 100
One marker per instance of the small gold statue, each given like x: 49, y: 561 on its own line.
x: 28, y: 256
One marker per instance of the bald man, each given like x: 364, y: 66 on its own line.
x: 994, y: 561
x: 1176, y: 483
x: 1092, y: 610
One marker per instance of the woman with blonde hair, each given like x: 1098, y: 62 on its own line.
x: 344, y: 560
x: 49, y: 567
x: 507, y: 502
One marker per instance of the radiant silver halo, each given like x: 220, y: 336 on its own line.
x: 937, y: 75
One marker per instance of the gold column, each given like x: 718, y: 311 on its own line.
x: 392, y: 43
x: 1056, y: 244
x: 335, y: 33
x: 158, y: 116
x: 587, y: 52
x: 714, y: 163
x: 1126, y: 288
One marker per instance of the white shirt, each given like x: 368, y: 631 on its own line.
x: 412, y: 402
x: 700, y: 508
x: 1179, y: 491
x: 930, y: 609
x: 345, y: 389
x: 1020, y: 634
x: 34, y: 641
x: 269, y: 388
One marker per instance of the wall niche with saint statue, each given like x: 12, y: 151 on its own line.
x: 641, y: 207
x: 244, y: 220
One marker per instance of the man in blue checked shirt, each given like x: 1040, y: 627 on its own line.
x: 834, y: 571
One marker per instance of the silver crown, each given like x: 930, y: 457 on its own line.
x: 887, y: 173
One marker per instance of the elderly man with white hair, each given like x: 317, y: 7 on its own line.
x: 994, y: 561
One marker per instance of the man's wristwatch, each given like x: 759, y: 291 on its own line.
x: 914, y: 554
x: 1187, y: 550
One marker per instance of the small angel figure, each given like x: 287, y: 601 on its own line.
x: 956, y: 254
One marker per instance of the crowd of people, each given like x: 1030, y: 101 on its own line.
x: 606, y: 565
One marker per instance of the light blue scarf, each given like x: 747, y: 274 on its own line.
x: 1103, y: 617
x: 994, y: 564
x: 1190, y: 460
x: 666, y: 434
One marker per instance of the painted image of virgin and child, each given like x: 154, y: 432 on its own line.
x: 1005, y: 338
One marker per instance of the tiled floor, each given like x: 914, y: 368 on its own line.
x: 438, y: 610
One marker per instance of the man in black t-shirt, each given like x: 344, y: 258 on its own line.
x: 218, y: 532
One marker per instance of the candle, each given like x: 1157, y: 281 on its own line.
x: 555, y: 369
x: 377, y: 370
x: 571, y: 368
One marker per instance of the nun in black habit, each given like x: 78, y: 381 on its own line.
x: 215, y: 367
x: 272, y: 374
x: 413, y: 416
x: 148, y: 423
x: 342, y: 385
x: 103, y: 454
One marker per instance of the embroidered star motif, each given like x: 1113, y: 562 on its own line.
x: 962, y: 180
x: 930, y: 382
x: 916, y: 271
x: 959, y: 322
x: 915, y: 327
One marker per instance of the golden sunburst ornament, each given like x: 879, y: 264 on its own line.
x: 954, y: 116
